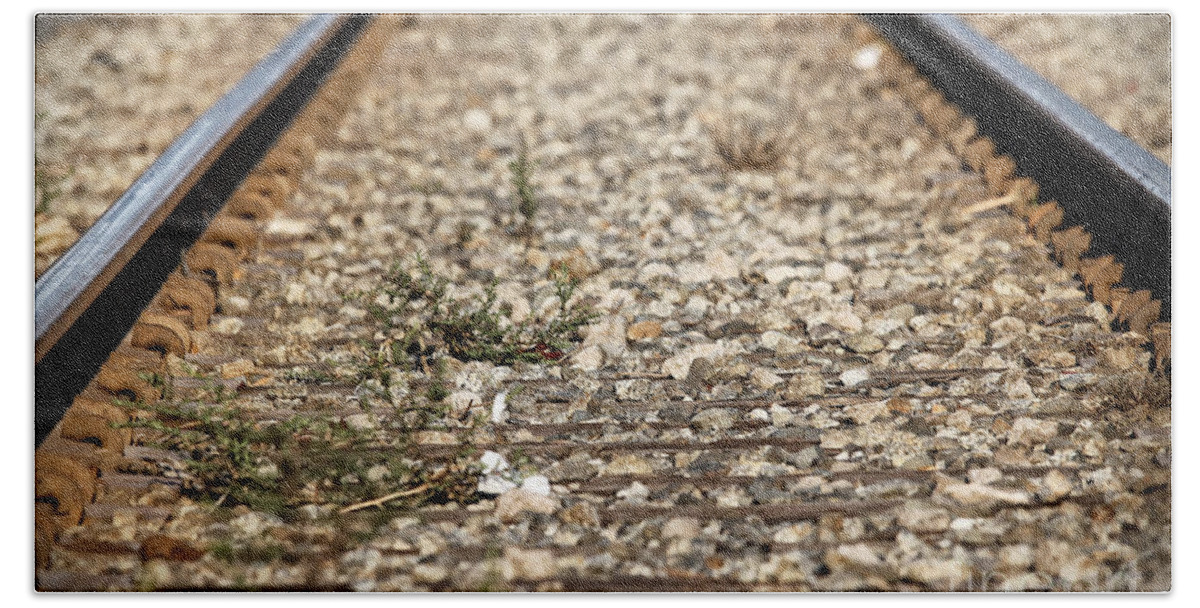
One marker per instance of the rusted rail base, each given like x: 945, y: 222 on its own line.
x: 1105, y: 182
x: 66, y: 367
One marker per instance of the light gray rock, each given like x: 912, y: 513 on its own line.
x: 1054, y: 486
x: 530, y: 564
x: 495, y: 485
x: 860, y: 558
x: 628, y: 464
x: 576, y: 468
x: 981, y: 497
x: 863, y: 343
x: 1014, y: 558
x: 537, y: 484
x: 635, y: 493
x: 922, y: 517
x: 429, y: 574
x: 685, y: 528
x: 589, y: 359
x: 836, y: 271
x: 805, y: 384
x: 939, y: 574
x: 607, y: 333
x: 1077, y: 382
x: 1031, y: 431
x: 764, y: 379
x: 854, y: 377
x: 513, y: 504
x: 361, y: 422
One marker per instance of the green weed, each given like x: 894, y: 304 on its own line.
x: 234, y: 458
x: 522, y: 182
x: 429, y: 187
x: 271, y: 466
x: 423, y: 320
x: 309, y: 376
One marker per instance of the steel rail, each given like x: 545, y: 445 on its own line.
x: 88, y: 300
x: 1105, y: 182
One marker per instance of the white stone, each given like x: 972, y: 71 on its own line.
x: 228, y: 326
x: 1030, y: 431
x: 1014, y: 558
x: 854, y: 377
x: 781, y: 416
x: 1019, y: 389
x: 696, y: 306
x: 429, y: 573
x: 779, y: 274
x: 655, y: 270
x: 589, y: 359
x: 309, y: 326
x: 461, y: 401
x: 530, y: 564
x: 771, y: 339
x: 868, y: 57
x: 836, y: 271
x: 764, y: 378
x: 679, y: 365
x: 717, y: 266
x: 982, y: 496
x: 686, y: 528
x: 1008, y: 325
x: 289, y: 227
x: 360, y: 422
x: 864, y: 413
x: 845, y: 320
x: 536, y: 484
x: 985, y: 475
x: 477, y: 121
x: 939, y: 574
x: 513, y: 503
x: 499, y: 407
x: 297, y: 293
x: 635, y: 493
x: 377, y: 473
x: 494, y: 485
x: 236, y: 304
x: 493, y: 462
x: 1054, y: 486
x: 921, y: 517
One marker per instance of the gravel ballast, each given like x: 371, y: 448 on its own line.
x: 809, y: 370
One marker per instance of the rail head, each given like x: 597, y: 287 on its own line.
x: 88, y: 300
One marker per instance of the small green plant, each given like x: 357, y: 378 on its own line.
x: 421, y: 320
x: 437, y: 391
x: 253, y: 552
x: 233, y: 458
x: 464, y: 234
x: 429, y: 187
x: 522, y: 176
x: 223, y: 551
x: 309, y: 376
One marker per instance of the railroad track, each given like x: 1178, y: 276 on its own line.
x: 828, y: 354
